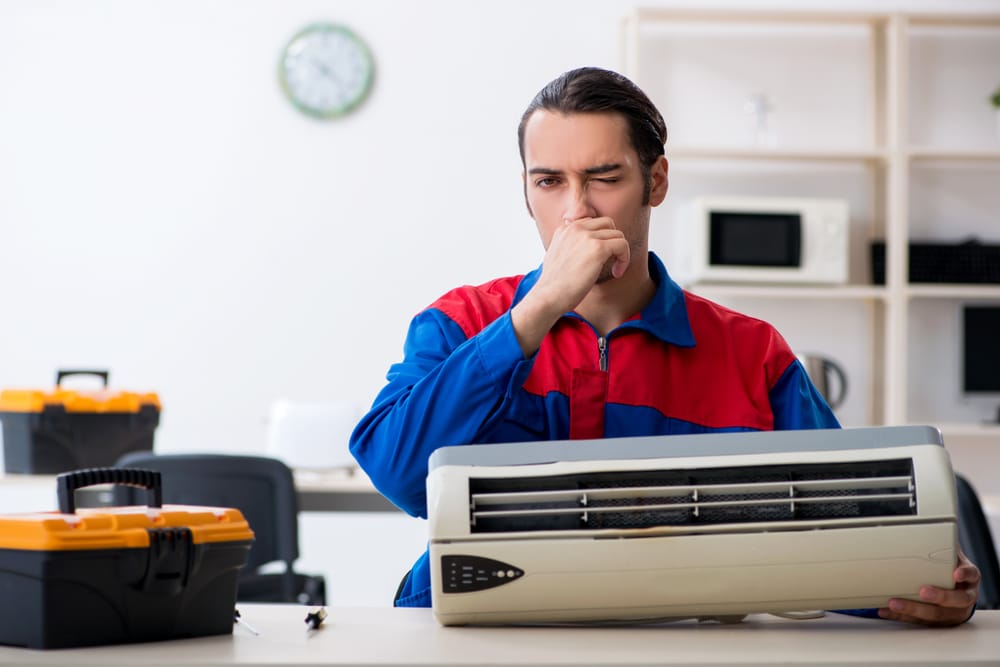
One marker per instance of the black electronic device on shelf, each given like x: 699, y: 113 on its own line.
x: 970, y: 261
x: 981, y: 350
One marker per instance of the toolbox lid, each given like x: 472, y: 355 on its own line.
x: 102, y: 401
x: 119, y: 527
x: 71, y: 400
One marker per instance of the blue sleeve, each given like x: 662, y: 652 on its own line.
x: 447, y: 390
x: 797, y: 404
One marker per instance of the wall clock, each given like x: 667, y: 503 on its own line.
x: 326, y: 70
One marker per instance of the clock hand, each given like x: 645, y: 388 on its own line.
x: 323, y: 69
x: 327, y: 72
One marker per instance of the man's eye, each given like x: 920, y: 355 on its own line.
x: 607, y: 180
x: 546, y: 182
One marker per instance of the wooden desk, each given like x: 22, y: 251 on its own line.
x: 411, y: 637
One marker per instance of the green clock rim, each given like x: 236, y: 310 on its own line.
x: 344, y: 109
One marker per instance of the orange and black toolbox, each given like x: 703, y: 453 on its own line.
x: 83, y: 577
x: 48, y: 432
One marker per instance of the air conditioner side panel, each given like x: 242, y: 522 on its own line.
x: 569, y: 580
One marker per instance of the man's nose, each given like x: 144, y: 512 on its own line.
x: 578, y: 204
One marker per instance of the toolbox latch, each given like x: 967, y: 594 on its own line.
x: 171, y: 556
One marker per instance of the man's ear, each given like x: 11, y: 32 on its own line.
x: 659, y: 181
x: 524, y: 187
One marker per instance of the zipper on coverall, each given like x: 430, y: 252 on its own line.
x: 587, y: 397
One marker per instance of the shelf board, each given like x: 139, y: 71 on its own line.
x: 954, y: 20
x: 841, y: 292
x: 925, y: 154
x: 967, y: 19
x: 972, y: 291
x: 715, y: 16
x: 775, y: 154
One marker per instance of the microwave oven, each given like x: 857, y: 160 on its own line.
x: 767, y: 240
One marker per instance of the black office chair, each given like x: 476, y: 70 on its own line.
x: 977, y: 543
x: 263, y: 490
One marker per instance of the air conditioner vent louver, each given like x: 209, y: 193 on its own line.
x: 814, y: 492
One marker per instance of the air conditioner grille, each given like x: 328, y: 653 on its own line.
x: 710, y: 496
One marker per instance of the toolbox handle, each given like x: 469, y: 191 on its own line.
x: 66, y: 373
x: 68, y: 482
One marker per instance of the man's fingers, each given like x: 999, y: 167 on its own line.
x: 921, y: 613
x: 937, y: 606
x: 601, y: 229
x: 621, y: 256
x: 592, y: 223
x: 967, y: 573
x: 960, y: 598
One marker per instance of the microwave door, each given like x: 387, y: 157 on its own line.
x: 747, y: 239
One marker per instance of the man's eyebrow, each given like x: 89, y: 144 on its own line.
x: 590, y: 171
x: 602, y: 168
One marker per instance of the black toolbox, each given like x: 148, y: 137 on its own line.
x: 47, y: 432
x: 83, y: 577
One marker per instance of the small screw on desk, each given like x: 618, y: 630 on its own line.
x: 314, y: 619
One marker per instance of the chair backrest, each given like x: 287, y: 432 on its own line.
x: 977, y: 543
x: 262, y: 488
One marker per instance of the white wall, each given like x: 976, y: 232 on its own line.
x: 166, y: 214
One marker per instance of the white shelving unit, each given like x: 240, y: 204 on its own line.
x: 883, y: 109
x: 950, y: 164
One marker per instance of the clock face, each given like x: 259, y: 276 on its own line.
x: 326, y: 70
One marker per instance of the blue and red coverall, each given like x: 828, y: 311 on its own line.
x: 682, y: 365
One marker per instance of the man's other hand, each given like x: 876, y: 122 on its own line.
x: 940, y: 606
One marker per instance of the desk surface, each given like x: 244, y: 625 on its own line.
x: 340, y: 490
x: 396, y: 637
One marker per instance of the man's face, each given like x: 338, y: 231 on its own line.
x: 583, y: 165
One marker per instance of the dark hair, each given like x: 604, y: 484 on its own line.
x: 595, y: 90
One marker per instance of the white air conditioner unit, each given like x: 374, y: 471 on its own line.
x: 689, y: 526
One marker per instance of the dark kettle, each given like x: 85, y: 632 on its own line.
x: 828, y: 377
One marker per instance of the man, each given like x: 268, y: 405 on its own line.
x: 597, y: 342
